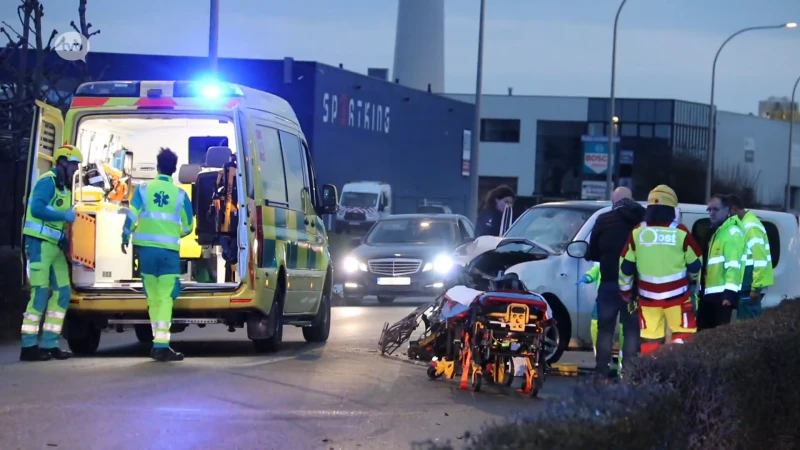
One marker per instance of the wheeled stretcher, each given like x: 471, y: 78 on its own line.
x: 481, y: 325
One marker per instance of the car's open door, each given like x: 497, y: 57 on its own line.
x: 47, y: 132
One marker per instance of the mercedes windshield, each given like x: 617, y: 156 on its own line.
x: 551, y: 226
x: 413, y: 231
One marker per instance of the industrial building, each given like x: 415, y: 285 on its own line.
x: 547, y: 146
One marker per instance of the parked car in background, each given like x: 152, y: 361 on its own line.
x: 404, y: 255
x: 564, y: 229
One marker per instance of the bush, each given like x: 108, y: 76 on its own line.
x: 733, y: 387
x: 13, y: 293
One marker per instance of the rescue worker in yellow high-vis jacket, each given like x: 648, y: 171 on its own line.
x: 665, y: 260
x: 758, y: 273
x: 160, y: 215
x: 49, y: 210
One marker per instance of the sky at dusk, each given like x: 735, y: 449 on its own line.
x: 665, y: 47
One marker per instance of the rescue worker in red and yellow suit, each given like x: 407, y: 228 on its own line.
x: 665, y: 260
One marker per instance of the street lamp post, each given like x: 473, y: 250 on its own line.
x: 712, y: 114
x: 476, y: 129
x: 609, y: 169
x: 213, y: 36
x: 787, y: 199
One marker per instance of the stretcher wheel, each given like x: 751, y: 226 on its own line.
x: 537, y: 385
x: 509, y: 376
x: 432, y: 373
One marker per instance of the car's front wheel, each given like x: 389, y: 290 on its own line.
x: 556, y: 337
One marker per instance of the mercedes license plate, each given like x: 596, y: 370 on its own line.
x: 394, y: 281
x: 353, y: 223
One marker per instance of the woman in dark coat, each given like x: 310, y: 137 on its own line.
x: 491, y: 214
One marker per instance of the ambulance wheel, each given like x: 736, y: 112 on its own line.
x: 432, y: 373
x: 273, y: 343
x: 86, y: 340
x: 321, y: 329
x: 144, y: 333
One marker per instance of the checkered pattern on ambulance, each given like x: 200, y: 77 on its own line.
x: 357, y: 213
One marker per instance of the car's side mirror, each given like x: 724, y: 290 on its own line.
x: 355, y: 242
x: 578, y: 249
x: 330, y: 200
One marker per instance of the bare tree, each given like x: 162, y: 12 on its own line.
x: 32, y: 73
x: 29, y: 71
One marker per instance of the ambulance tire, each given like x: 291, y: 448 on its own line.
x: 321, y: 329
x: 87, y: 340
x: 144, y: 333
x: 273, y: 343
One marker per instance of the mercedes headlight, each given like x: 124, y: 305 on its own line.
x: 441, y: 264
x: 351, y: 265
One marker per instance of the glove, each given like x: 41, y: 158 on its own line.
x: 126, y: 236
x: 584, y: 279
x: 755, y: 295
x: 730, y: 298
x: 69, y: 215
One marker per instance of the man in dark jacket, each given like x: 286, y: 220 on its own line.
x: 608, y: 238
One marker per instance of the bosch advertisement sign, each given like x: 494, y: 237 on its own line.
x: 355, y: 112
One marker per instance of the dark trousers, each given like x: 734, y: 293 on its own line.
x: 609, y: 306
x: 711, y: 313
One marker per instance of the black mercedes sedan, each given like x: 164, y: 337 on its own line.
x: 404, y: 255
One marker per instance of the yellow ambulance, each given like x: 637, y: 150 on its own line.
x: 258, y: 255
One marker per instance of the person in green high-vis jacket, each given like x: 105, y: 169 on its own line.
x: 49, y: 210
x: 591, y: 276
x: 758, y: 273
x: 160, y: 215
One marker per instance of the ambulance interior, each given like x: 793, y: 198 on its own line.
x: 119, y: 154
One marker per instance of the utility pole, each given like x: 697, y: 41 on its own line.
x: 213, y: 36
x: 472, y: 210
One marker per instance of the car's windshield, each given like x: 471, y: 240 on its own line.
x: 359, y: 199
x: 412, y: 231
x: 554, y: 227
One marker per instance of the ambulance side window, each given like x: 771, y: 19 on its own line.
x: 273, y: 178
x: 248, y: 161
x: 774, y: 238
x: 311, y: 177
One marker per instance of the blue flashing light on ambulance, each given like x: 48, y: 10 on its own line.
x: 246, y: 244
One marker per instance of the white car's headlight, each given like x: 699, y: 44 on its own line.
x: 351, y: 265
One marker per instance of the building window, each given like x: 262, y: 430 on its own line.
x: 629, y: 129
x: 596, y: 129
x: 664, y: 111
x: 646, y: 131
x: 598, y: 110
x: 663, y: 131
x: 647, y: 111
x: 630, y: 111
x: 500, y: 130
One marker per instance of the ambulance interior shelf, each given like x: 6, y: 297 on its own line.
x: 105, y: 185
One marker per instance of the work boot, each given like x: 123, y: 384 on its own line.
x: 34, y: 354
x: 165, y: 354
x: 57, y: 353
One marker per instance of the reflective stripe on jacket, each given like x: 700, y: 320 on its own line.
x: 664, y: 257
x: 758, y: 271
x: 725, y: 257
x: 159, y: 213
x: 59, y: 202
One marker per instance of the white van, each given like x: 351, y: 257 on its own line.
x: 362, y: 204
x: 556, y: 226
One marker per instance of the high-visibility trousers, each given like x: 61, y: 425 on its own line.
x: 654, y: 320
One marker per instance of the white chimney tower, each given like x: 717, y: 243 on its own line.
x: 419, y: 45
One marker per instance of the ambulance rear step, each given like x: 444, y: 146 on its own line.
x: 147, y: 322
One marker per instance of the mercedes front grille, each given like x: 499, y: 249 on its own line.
x: 394, y: 266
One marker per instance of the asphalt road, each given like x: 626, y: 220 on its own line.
x: 340, y: 395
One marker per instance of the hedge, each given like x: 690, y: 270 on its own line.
x: 734, y: 387
x: 13, y: 294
